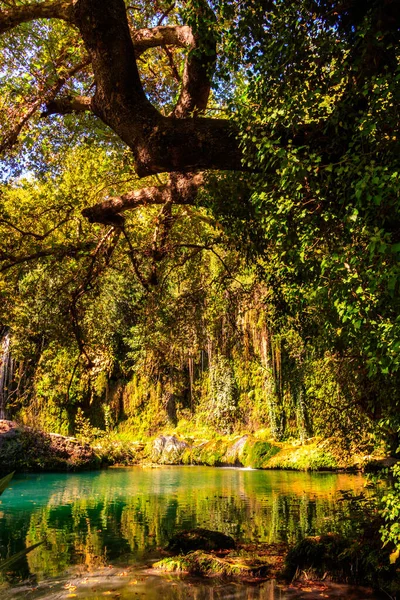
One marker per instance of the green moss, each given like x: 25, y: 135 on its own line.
x: 310, y: 457
x: 209, y: 565
x: 187, y: 458
x: 113, y: 451
x: 177, y: 564
x: 210, y: 453
x: 256, y: 454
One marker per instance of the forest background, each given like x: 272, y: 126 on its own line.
x: 248, y: 280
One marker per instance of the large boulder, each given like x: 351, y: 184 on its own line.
x: 234, y: 453
x: 168, y: 450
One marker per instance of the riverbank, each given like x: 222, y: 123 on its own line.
x: 27, y: 449
x: 255, y: 451
x: 314, y: 562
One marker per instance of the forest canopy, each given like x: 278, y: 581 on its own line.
x: 189, y: 187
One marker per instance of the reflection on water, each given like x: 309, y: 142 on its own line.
x: 121, y: 515
x: 152, y: 588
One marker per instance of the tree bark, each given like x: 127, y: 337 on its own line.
x: 182, y: 189
x: 38, y: 10
x: 159, y: 144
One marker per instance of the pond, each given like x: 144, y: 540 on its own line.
x: 101, y: 529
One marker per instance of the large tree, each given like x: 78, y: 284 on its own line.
x: 103, y: 49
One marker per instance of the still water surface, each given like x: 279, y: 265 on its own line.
x: 121, y: 517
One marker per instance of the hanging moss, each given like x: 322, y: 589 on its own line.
x: 256, y: 454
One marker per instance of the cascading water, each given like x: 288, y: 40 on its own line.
x: 6, y: 372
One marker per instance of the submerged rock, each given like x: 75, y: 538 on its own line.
x: 27, y: 449
x: 168, y: 450
x: 200, y: 539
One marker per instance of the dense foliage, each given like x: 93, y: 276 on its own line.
x: 267, y: 300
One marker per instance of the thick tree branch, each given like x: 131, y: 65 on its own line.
x: 66, y: 105
x: 199, y: 64
x: 167, y: 35
x: 61, y: 9
x: 119, y: 92
x: 159, y: 144
x: 182, y: 190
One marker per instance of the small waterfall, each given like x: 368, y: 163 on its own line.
x: 6, y: 372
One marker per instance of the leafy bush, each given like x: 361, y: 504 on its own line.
x: 390, y: 530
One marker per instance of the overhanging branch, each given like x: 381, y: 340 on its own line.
x: 181, y: 190
x: 66, y: 105
x: 45, y: 96
x: 61, y: 9
x: 159, y: 144
x: 59, y: 251
x: 168, y: 35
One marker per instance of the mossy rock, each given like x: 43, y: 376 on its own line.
x: 27, y: 449
x: 234, y: 452
x: 310, y: 457
x: 200, y: 539
x: 256, y: 454
x: 209, y: 565
x: 210, y: 453
x: 168, y: 450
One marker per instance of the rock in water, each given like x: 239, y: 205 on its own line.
x: 200, y: 539
x: 209, y: 565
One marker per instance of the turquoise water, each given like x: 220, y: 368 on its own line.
x: 100, y: 521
